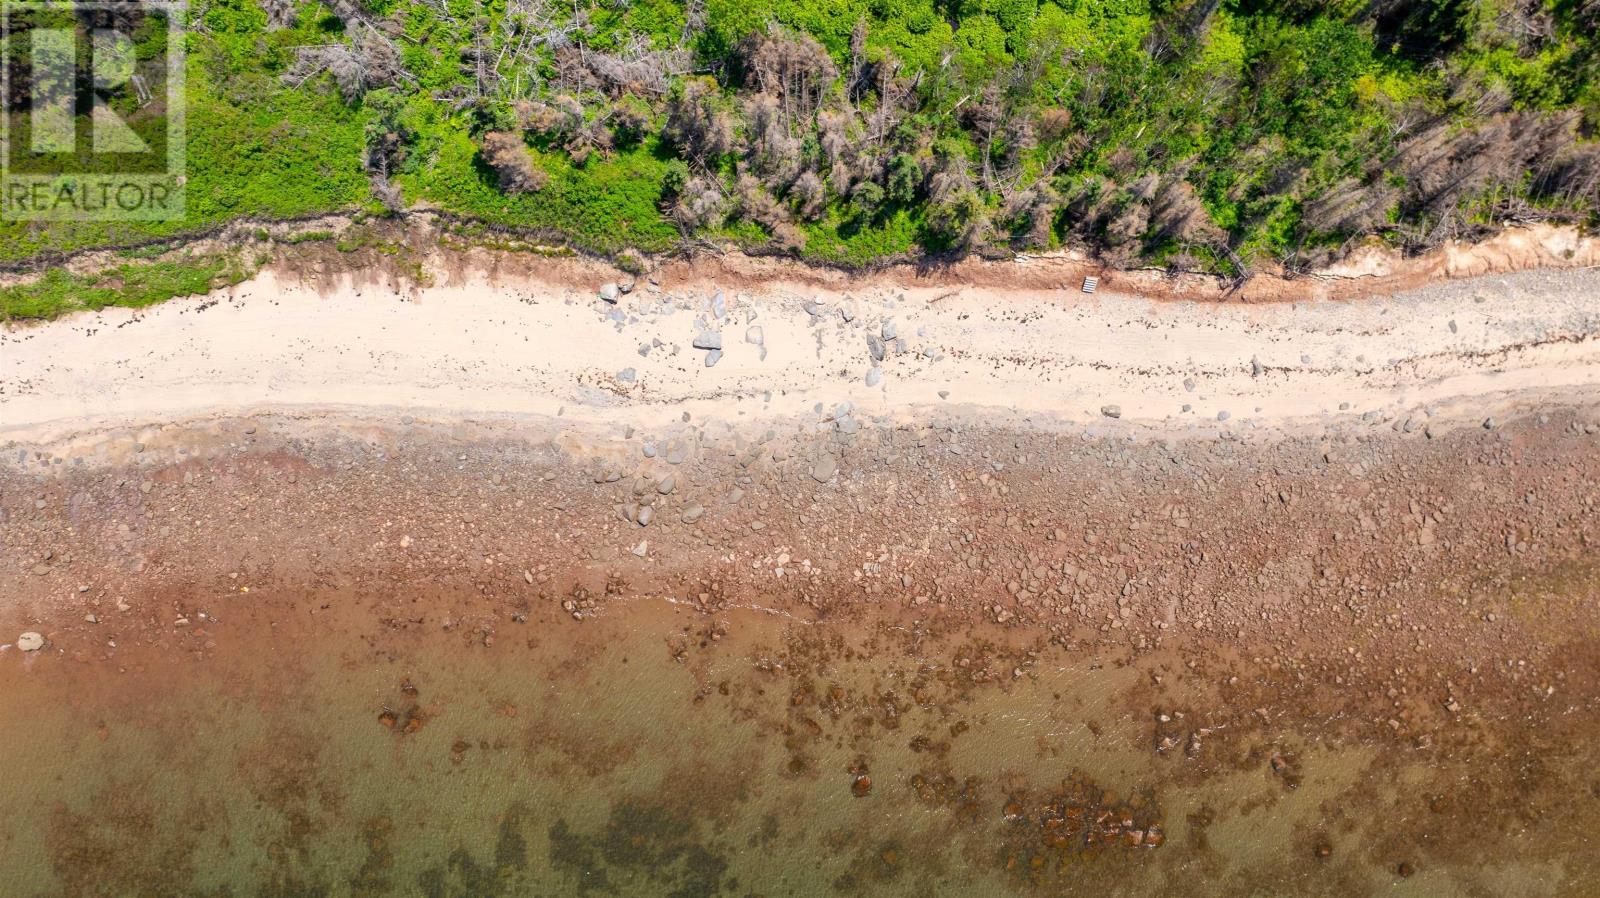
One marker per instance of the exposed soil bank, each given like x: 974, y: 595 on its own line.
x: 1368, y: 270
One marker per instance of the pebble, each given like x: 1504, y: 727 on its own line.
x: 1111, y: 411
x: 667, y: 484
x: 609, y: 292
x: 708, y: 340
x: 824, y: 469
x: 627, y: 375
x: 30, y: 641
x: 692, y: 513
x: 874, y: 377
x: 713, y: 357
x: 754, y: 335
x: 642, y: 548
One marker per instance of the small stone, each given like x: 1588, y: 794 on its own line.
x: 667, y: 484
x: 642, y: 548
x: 754, y: 335
x: 692, y: 513
x: 627, y: 375
x: 610, y: 291
x: 1223, y: 416
x: 708, y: 340
x: 824, y: 468
x: 646, y: 515
x: 713, y: 357
x: 1111, y: 411
x: 874, y: 377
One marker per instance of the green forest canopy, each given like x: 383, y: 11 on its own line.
x: 1217, y: 135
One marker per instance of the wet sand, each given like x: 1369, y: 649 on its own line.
x: 321, y: 655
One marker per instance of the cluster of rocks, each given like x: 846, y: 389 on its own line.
x: 881, y: 339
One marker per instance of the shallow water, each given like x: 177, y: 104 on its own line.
x: 295, y: 747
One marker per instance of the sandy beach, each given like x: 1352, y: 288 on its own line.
x: 489, y: 343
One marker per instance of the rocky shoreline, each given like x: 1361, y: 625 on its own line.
x: 1391, y: 547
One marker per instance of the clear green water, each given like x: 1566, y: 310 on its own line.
x: 637, y: 755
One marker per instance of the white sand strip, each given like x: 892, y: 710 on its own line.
x: 528, y: 348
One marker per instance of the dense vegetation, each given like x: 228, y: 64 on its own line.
x: 1193, y: 133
